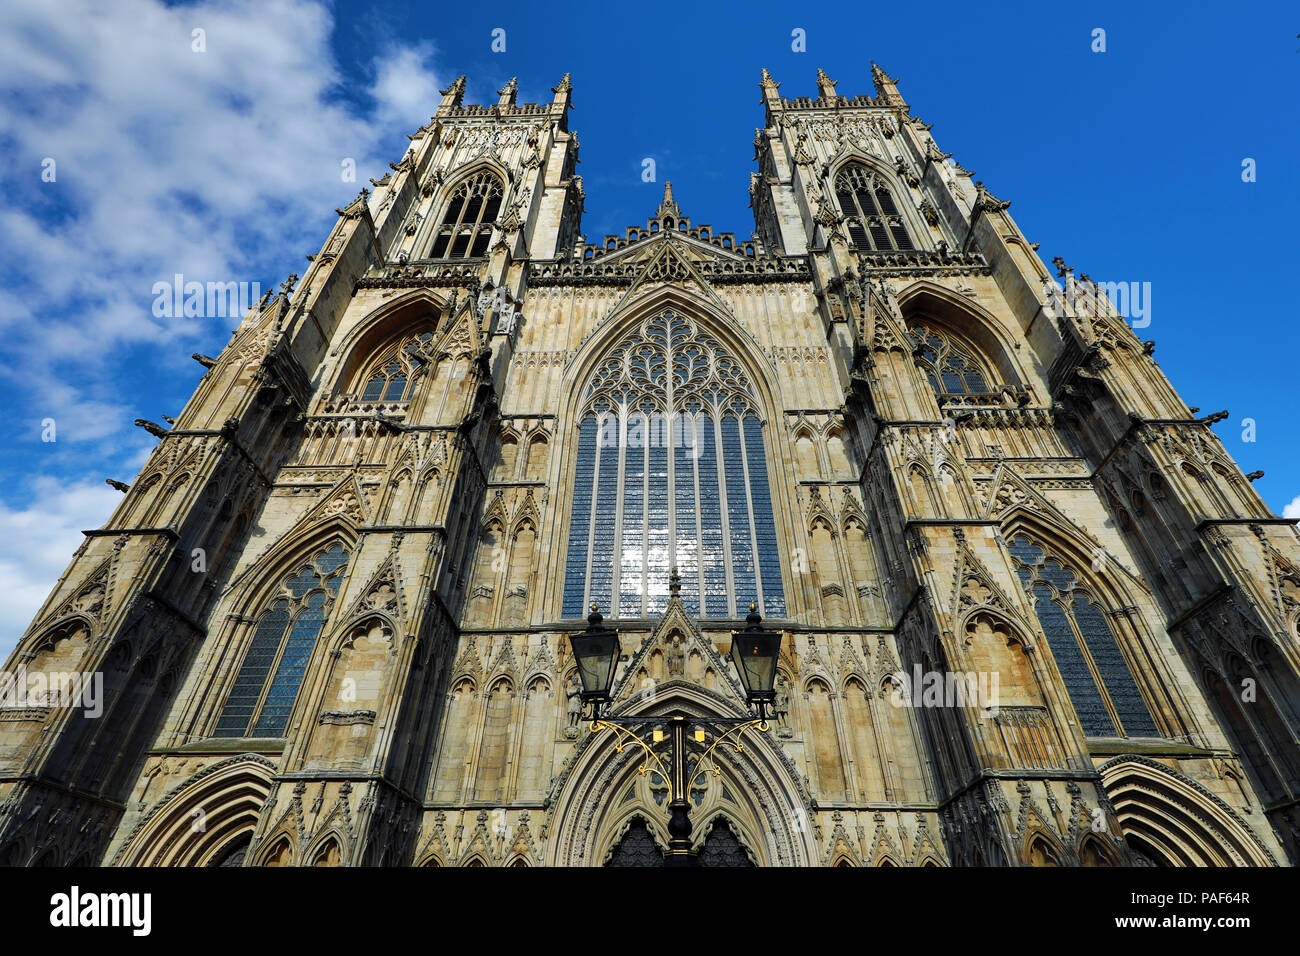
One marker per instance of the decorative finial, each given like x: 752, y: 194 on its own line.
x: 668, y: 207
x: 452, y: 95
x: 507, y: 93
x: 825, y: 85
x: 674, y: 580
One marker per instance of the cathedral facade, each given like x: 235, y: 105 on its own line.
x: 1033, y: 614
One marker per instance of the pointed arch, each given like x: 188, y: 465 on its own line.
x: 968, y: 322
x: 293, y: 611
x: 1095, y: 662
x: 587, y: 823
x: 328, y: 849
x: 1094, y: 851
x: 226, y: 797
x: 904, y: 206
x: 392, y: 320
x: 1170, y: 817
x: 468, y: 209
x: 671, y: 460
x: 1043, y: 849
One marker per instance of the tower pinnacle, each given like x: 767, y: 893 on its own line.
x: 668, y: 207
x: 886, y: 90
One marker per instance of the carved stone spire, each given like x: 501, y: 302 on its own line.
x: 886, y: 90
x: 454, y: 94
x: 669, y: 206
x: 825, y: 85
x: 562, y: 91
x: 508, y: 92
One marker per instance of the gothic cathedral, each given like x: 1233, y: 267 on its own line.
x: 1032, y: 613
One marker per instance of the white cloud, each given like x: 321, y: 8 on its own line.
x: 223, y: 165
x: 405, y: 92
x: 1292, y: 510
x: 41, y: 540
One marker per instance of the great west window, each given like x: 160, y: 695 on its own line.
x: 671, y: 471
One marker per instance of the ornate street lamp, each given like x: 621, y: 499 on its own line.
x: 596, y: 651
x: 754, y: 651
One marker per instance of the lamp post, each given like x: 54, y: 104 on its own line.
x: 754, y: 652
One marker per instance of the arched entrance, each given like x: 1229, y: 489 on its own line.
x: 1172, y: 820
x: 609, y: 813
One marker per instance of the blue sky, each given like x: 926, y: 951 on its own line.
x: 224, y: 165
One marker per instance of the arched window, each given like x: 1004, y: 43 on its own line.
x: 1101, y: 687
x: 671, y: 471
x: 268, y: 681
x: 467, y: 222
x: 874, y: 222
x: 950, y: 368
x: 393, y: 378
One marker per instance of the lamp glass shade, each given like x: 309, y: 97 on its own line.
x: 755, y: 655
x: 596, y: 652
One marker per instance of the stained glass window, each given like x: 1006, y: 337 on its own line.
x: 394, y: 377
x: 671, y: 472
x: 1098, y: 679
x: 272, y: 672
x: 950, y: 369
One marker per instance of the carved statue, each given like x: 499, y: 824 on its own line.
x: 676, y: 657
x: 575, y: 705
x: 781, y: 709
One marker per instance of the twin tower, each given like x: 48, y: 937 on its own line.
x: 1033, y: 613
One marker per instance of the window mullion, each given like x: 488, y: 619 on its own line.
x: 727, y: 558
x: 591, y: 518
x: 697, y: 451
x: 645, y: 521
x: 615, y: 588
x: 749, y: 499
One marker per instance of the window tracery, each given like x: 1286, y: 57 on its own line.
x: 671, y: 471
x: 395, y: 376
x: 950, y: 368
x: 874, y: 221
x: 468, y: 219
x: 273, y: 668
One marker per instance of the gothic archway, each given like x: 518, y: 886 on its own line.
x: 1173, y: 821
x: 203, y: 820
x: 602, y: 794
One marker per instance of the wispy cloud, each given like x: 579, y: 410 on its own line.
x: 222, y: 163
x: 43, y: 537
